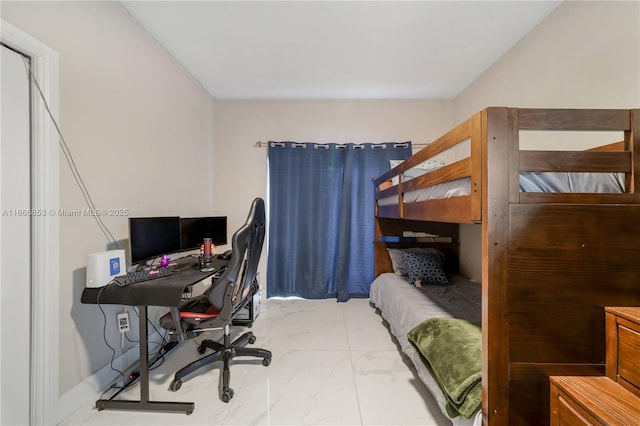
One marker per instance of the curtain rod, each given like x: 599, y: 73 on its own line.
x: 260, y: 144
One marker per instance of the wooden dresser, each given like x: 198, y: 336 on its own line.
x: 613, y: 399
x: 623, y: 347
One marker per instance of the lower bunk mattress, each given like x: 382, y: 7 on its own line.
x: 404, y: 306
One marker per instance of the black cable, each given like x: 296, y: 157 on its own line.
x: 135, y: 375
x: 113, y: 386
x: 131, y: 341
x: 72, y: 165
x: 159, y: 357
x: 104, y: 331
x: 164, y: 341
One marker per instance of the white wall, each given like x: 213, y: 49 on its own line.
x: 583, y: 55
x: 240, y: 168
x: 140, y: 129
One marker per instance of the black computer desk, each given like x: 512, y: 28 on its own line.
x: 166, y: 291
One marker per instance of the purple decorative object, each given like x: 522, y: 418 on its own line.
x: 164, y: 261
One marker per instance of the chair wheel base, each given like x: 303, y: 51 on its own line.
x: 227, y: 395
x: 266, y: 362
x: 175, y: 385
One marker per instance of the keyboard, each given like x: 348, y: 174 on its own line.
x: 140, y: 276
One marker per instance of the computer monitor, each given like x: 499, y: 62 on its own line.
x: 193, y: 230
x: 151, y: 237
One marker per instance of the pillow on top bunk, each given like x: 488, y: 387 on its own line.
x: 425, y: 268
x: 398, y: 264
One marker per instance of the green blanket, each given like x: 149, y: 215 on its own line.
x: 451, y: 349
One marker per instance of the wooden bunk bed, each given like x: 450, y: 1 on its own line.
x: 551, y: 261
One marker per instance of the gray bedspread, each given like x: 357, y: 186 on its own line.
x: 404, y: 306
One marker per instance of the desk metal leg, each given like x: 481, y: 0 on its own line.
x: 144, y: 404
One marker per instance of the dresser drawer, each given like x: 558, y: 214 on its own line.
x: 629, y: 356
x: 569, y: 414
x: 596, y: 400
x: 623, y: 347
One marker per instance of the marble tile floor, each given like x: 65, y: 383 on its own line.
x: 333, y: 364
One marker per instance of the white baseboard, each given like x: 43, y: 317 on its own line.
x: 91, y: 388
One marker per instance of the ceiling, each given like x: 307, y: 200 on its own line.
x: 338, y: 49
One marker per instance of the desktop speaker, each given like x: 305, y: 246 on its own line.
x: 103, y: 266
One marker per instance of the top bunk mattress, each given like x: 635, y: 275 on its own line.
x: 600, y: 183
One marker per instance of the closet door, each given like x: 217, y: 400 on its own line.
x: 15, y: 237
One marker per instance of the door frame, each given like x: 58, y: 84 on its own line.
x: 45, y: 242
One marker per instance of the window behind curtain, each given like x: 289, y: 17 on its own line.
x: 321, y: 217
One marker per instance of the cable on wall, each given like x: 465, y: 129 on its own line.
x: 72, y: 165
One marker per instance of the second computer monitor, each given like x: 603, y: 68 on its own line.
x: 193, y: 230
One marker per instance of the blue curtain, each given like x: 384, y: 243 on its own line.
x: 321, y: 217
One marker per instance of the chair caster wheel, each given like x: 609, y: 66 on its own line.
x: 266, y: 362
x: 175, y: 385
x: 201, y: 349
x: 227, y: 395
x: 252, y: 340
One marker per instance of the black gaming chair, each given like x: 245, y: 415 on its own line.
x: 218, y: 306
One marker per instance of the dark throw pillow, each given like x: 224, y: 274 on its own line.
x: 396, y: 257
x: 425, y: 268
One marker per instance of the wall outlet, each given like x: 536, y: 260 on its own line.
x: 123, y: 322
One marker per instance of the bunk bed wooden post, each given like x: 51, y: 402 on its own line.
x: 476, y: 167
x: 632, y: 143
x: 500, y: 135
